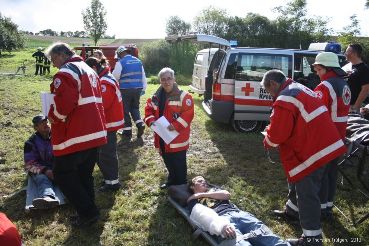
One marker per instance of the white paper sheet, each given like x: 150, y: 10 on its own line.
x: 47, y: 99
x: 161, y: 128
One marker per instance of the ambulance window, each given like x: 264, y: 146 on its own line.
x: 303, y: 70
x: 252, y: 67
x: 231, y: 67
x: 199, y: 59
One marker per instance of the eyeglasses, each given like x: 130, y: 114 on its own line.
x: 163, y: 79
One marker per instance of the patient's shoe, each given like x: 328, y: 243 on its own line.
x: 46, y: 202
x: 286, y: 214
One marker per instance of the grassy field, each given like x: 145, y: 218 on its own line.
x: 139, y: 214
x: 43, y: 41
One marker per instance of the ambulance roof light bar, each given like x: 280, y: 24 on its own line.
x: 327, y: 46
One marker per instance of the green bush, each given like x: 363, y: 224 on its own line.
x: 183, y: 79
x: 154, y: 80
x: 159, y: 54
x: 155, y: 56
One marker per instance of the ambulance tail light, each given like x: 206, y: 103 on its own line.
x: 217, y: 91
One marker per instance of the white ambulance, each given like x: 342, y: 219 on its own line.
x: 232, y: 91
x: 200, y: 69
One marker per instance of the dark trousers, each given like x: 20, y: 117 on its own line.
x: 329, y: 185
x: 131, y: 104
x: 308, y: 202
x: 46, y: 68
x: 39, y: 68
x: 73, y: 174
x: 108, y: 159
x: 177, y: 167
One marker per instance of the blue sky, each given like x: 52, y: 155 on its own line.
x: 147, y: 18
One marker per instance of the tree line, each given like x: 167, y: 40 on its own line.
x: 292, y: 28
x: 68, y: 34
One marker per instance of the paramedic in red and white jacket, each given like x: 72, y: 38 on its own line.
x: 177, y: 107
x: 113, y: 108
x: 301, y: 127
x: 77, y: 128
x: 336, y: 96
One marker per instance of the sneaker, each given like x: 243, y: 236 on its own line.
x: 108, y: 187
x: 78, y: 221
x: 140, y: 131
x: 45, y: 203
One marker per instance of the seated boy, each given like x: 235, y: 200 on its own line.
x: 212, y: 211
x: 38, y: 163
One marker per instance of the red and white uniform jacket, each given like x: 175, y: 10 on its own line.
x: 77, y: 115
x: 336, y: 96
x: 112, y: 101
x: 302, y: 128
x: 178, y: 110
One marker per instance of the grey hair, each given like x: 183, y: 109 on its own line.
x: 59, y: 49
x: 166, y: 70
x: 275, y: 75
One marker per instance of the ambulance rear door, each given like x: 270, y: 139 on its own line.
x: 252, y: 104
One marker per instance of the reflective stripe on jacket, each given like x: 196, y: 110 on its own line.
x: 77, y: 115
x: 336, y: 96
x: 112, y: 101
x: 179, y: 111
x: 131, y: 74
x: 302, y: 128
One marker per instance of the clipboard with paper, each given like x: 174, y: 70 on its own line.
x: 160, y: 127
x: 46, y: 100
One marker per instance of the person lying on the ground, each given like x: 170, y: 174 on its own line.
x: 213, y: 212
x: 38, y: 163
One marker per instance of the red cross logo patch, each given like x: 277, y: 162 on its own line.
x: 346, y: 95
x: 247, y: 89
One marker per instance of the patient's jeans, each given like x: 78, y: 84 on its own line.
x: 245, y: 222
x: 44, y: 185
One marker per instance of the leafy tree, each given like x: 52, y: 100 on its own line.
x: 212, y: 21
x: 367, y: 4
x: 354, y: 27
x: 49, y: 32
x: 177, y: 26
x: 10, y: 37
x: 350, y: 35
x: 294, y: 29
x: 94, y: 20
x: 253, y: 30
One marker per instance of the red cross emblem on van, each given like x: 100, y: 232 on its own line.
x: 247, y: 89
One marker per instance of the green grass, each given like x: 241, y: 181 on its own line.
x: 139, y: 214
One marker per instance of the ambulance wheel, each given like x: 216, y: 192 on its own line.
x: 247, y: 125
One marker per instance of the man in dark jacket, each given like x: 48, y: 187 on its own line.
x: 39, y: 55
x: 38, y: 163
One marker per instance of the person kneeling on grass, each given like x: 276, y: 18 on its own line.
x: 38, y: 159
x: 212, y: 211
